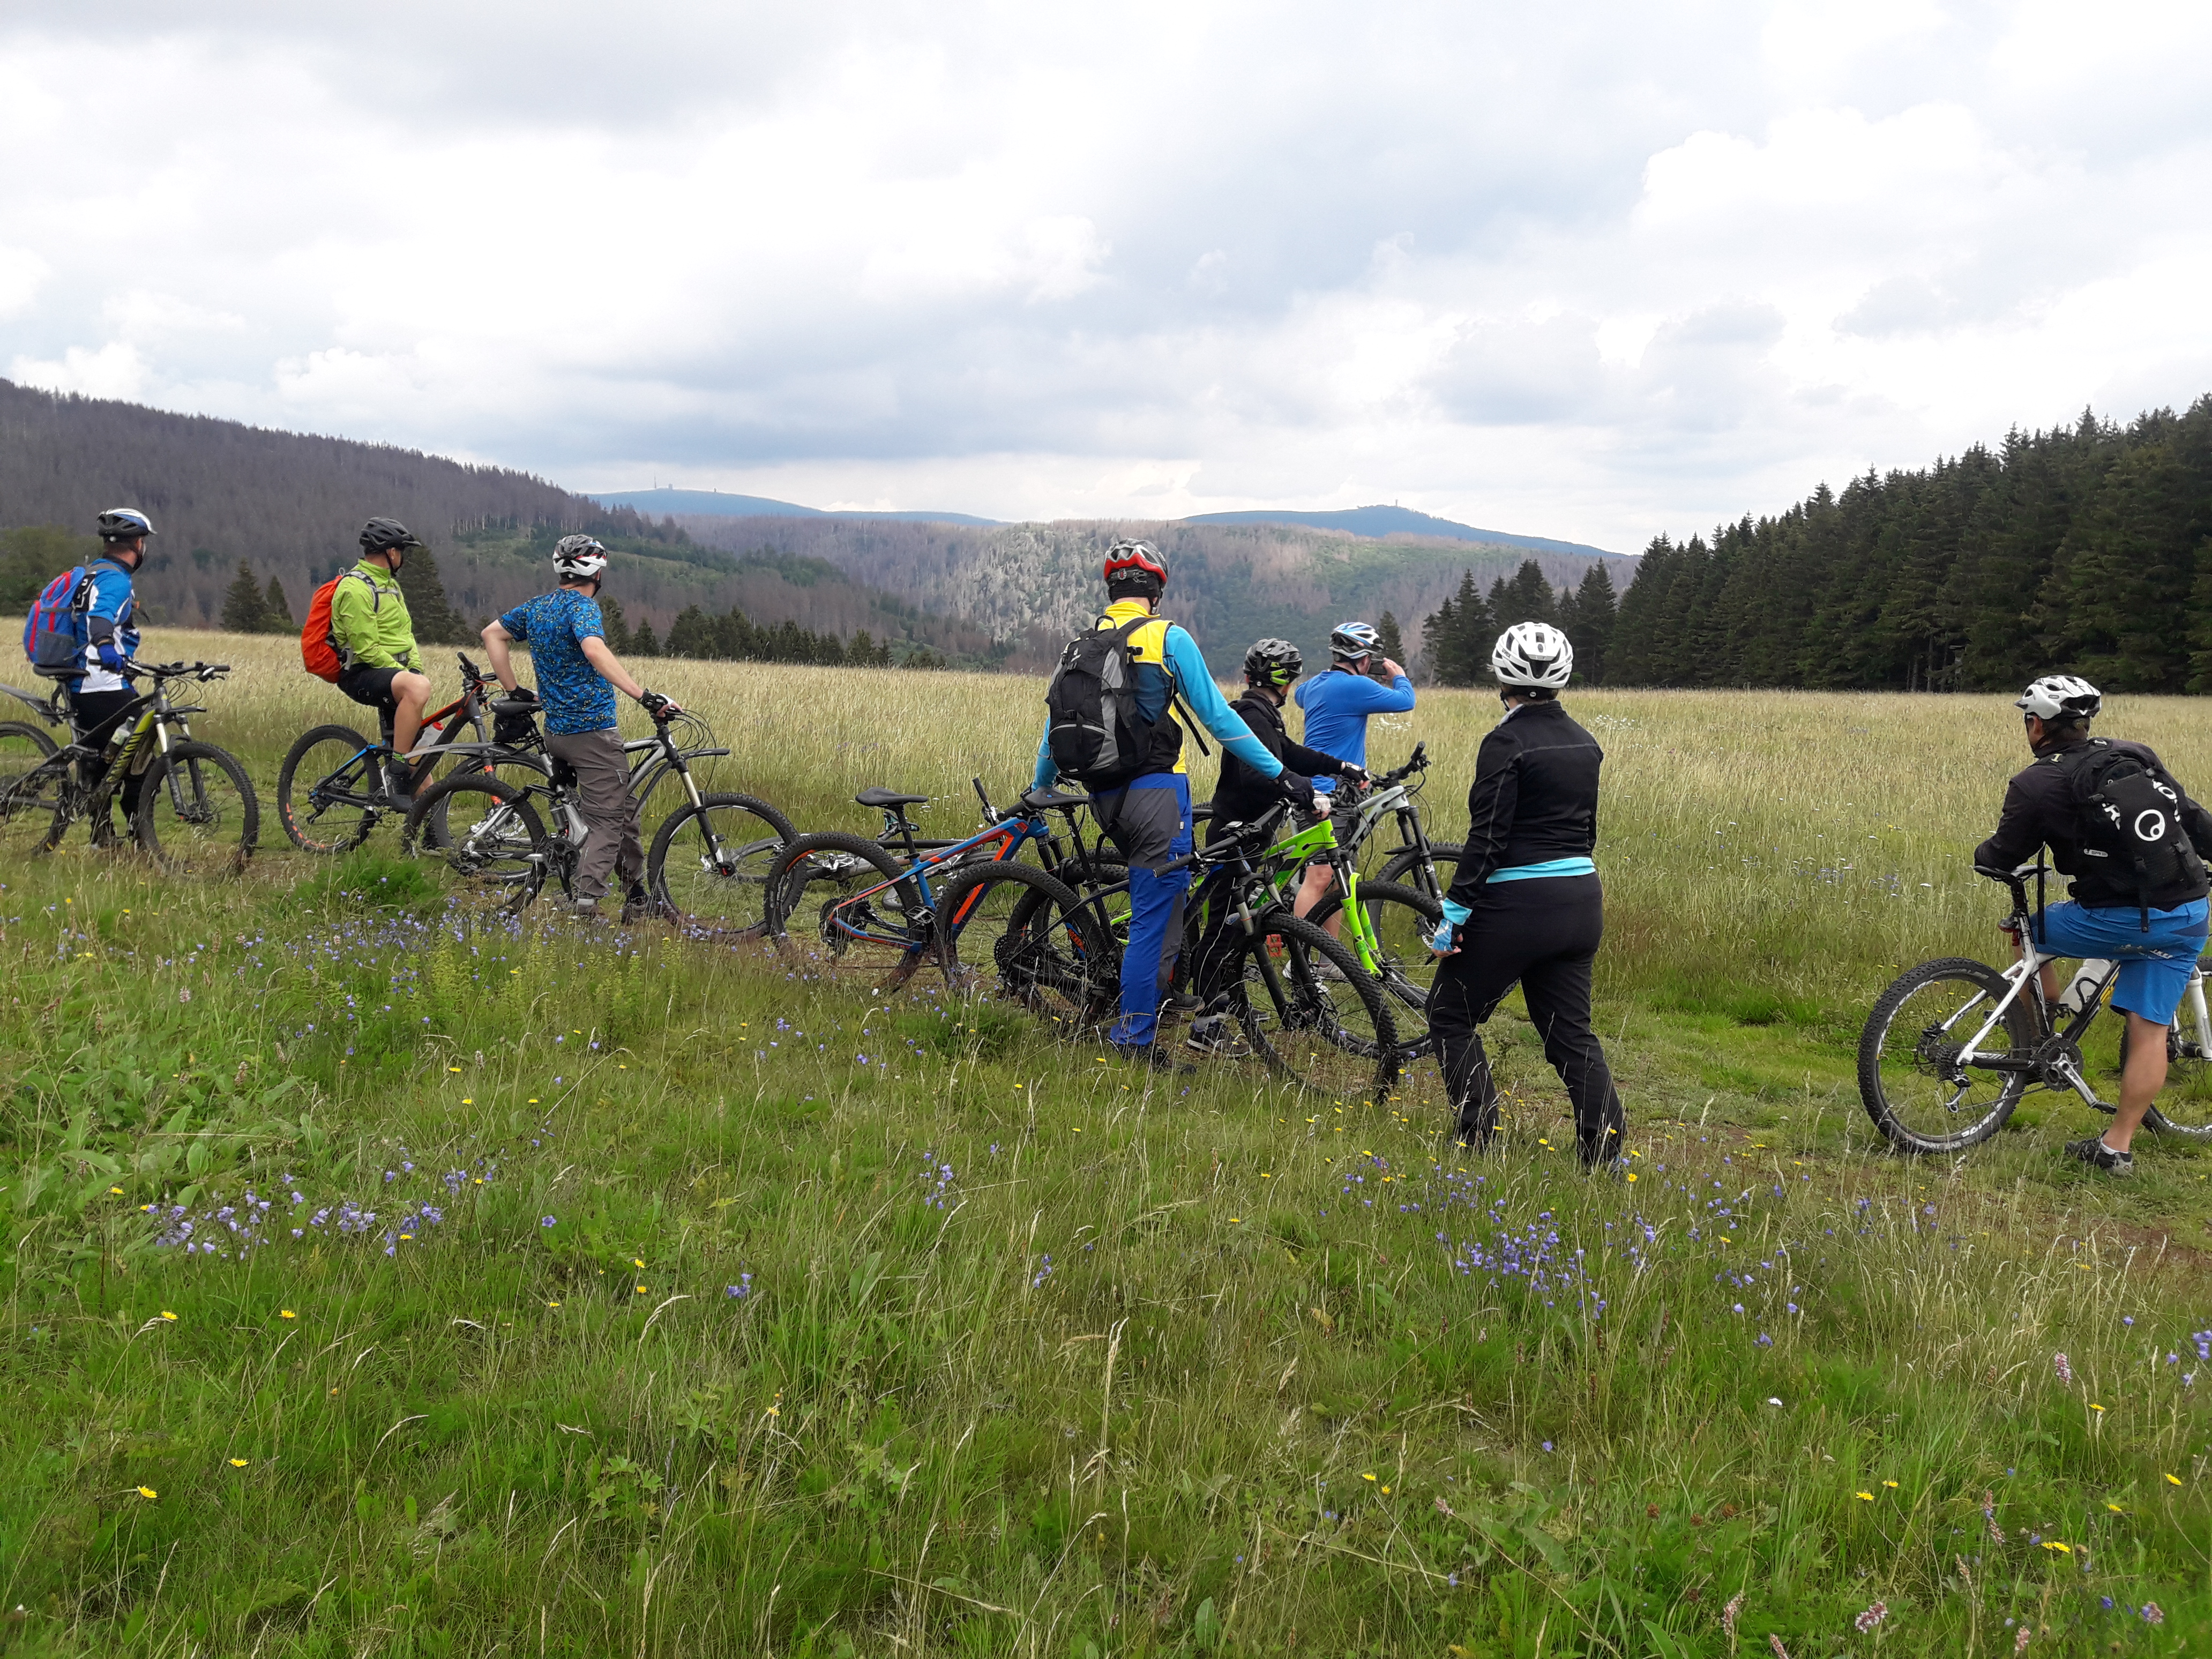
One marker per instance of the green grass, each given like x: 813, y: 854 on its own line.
x: 1036, y: 1355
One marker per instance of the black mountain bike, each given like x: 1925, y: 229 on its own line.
x: 196, y: 811
x: 1953, y: 1045
x: 511, y: 825
x: 329, y: 790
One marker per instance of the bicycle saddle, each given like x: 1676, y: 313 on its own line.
x: 516, y: 705
x: 884, y: 799
x: 1052, y: 800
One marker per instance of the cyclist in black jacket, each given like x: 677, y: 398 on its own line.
x: 1526, y: 906
x: 1242, y: 796
x: 2156, y: 936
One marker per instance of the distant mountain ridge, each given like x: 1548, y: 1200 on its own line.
x: 1381, y: 522
x: 667, y: 500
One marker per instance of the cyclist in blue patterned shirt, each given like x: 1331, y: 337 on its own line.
x: 577, y: 679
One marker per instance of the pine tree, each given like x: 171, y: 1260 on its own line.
x: 644, y: 642
x: 692, y: 635
x: 1592, y: 632
x: 1456, y: 637
x: 436, y: 621
x: 1527, y: 598
x: 281, y: 620
x: 244, y: 611
x: 616, y: 630
x: 1387, y: 642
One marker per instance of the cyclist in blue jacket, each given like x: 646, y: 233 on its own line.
x: 1338, y: 705
x: 1149, y: 819
x: 101, y: 695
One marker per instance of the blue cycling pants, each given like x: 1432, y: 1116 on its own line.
x: 1149, y: 822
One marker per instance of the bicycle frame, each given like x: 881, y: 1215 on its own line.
x: 1012, y: 834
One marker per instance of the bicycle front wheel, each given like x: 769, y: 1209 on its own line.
x: 197, y: 813
x: 1404, y: 866
x: 1311, y: 1012
x: 1400, y: 923
x: 491, y: 836
x: 1912, y: 1081
x: 28, y: 786
x: 710, y: 863
x: 1046, y: 947
x: 327, y: 790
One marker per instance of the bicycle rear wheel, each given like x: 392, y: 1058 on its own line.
x: 710, y: 863
x: 197, y: 813
x: 492, y: 837
x: 1401, y: 922
x: 1910, y: 1078
x: 1329, y: 1031
x: 328, y: 792
x: 840, y: 904
x: 1046, y: 947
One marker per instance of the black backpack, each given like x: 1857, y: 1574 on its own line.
x: 1097, y: 733
x: 2130, y: 816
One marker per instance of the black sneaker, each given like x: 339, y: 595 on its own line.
x: 1181, y: 1005
x: 638, y: 905
x: 1213, y: 1034
x: 398, y: 788
x: 2098, y: 1156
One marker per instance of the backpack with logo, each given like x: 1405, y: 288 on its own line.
x: 1096, y: 732
x: 2131, y: 814
x: 319, y: 646
x: 57, y: 632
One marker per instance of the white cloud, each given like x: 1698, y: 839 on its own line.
x: 1584, y: 278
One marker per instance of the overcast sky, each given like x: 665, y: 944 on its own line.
x: 1587, y: 272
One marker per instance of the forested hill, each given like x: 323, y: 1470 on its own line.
x: 289, y: 506
x: 1034, y: 584
x: 2085, y: 549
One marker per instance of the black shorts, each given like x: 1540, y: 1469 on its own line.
x: 371, y: 686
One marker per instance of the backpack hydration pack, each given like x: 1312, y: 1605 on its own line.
x: 1096, y: 732
x: 319, y: 646
x: 56, y: 633
x: 2130, y: 815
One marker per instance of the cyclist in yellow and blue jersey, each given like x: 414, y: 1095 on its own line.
x: 1148, y: 818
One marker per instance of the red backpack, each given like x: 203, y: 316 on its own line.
x: 319, y: 649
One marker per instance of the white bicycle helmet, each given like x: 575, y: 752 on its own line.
x: 1533, y: 655
x: 579, y: 558
x: 2061, y: 697
x: 1350, y: 641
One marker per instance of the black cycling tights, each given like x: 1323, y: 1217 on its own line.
x: 1542, y: 935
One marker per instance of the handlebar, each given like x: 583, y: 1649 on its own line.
x: 180, y: 670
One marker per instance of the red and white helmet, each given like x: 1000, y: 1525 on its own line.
x: 1533, y: 655
x: 1127, y: 558
x: 579, y: 558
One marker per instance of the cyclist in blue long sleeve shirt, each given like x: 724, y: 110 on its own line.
x: 1337, y: 706
x: 1148, y: 817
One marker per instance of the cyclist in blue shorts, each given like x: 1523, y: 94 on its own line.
x: 2151, y: 920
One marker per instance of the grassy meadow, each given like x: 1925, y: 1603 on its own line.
x: 387, y: 1278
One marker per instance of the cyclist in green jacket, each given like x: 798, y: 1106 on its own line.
x: 375, y: 638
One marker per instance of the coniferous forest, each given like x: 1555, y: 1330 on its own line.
x: 2084, y: 550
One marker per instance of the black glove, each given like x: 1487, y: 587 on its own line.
x: 1295, y: 789
x: 660, y: 708
x: 523, y: 693
x: 1350, y: 773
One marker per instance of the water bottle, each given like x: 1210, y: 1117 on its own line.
x: 2088, y: 980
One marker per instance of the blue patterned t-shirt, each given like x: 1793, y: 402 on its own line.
x: 576, y: 697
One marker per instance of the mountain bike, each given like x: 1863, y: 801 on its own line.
x: 1953, y: 1045
x: 879, y: 909
x: 709, y: 860
x: 1309, y: 1012
x: 1426, y: 866
x: 196, y: 811
x: 329, y: 790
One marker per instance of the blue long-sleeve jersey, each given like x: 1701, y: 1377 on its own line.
x: 110, y: 618
x: 1187, y: 675
x: 1337, y: 705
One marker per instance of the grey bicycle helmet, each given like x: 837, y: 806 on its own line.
x: 1273, y: 662
x: 579, y: 558
x: 1353, y: 639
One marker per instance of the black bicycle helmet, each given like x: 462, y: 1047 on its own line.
x: 382, y: 535
x: 1273, y: 662
x: 123, y: 523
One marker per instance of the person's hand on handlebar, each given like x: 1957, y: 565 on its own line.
x: 1351, y: 774
x: 662, y: 709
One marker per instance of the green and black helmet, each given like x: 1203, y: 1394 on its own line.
x: 1273, y: 662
